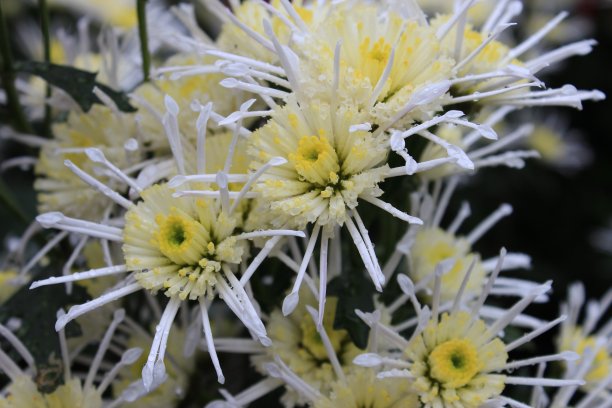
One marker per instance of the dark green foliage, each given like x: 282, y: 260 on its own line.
x: 353, y: 292
x: 77, y: 83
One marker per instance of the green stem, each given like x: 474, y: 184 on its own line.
x: 144, y: 40
x: 44, y: 25
x: 7, y: 73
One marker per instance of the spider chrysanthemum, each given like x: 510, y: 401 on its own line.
x: 181, y: 246
x: 296, y: 340
x: 452, y: 361
x: 362, y: 389
x: 330, y: 164
x: 454, y: 358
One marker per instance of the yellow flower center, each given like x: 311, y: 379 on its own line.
x: 454, y: 363
x: 177, y: 238
x: 600, y: 368
x: 316, y: 160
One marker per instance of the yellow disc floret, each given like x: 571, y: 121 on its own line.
x: 180, y: 244
x: 452, y: 363
x: 601, y: 367
x: 433, y: 245
x: 315, y: 160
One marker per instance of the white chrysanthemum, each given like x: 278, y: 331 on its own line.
x: 454, y: 358
x: 187, y: 84
x: 23, y: 393
x: 189, y: 247
x: 313, y: 363
x: 357, y: 44
x: 450, y: 362
x: 243, y: 30
x: 59, y: 189
x: 329, y: 165
x: 181, y: 246
x: 489, y: 71
x: 585, y: 337
x: 558, y: 145
x: 384, y: 57
x: 361, y: 389
x: 333, y: 161
x: 114, y: 59
x: 433, y: 245
x: 296, y: 340
x: 432, y: 250
x: 593, y: 365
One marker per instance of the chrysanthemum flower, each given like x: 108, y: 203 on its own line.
x: 75, y: 392
x: 455, y: 358
x: 333, y: 162
x: 593, y: 365
x: 187, y: 247
x: 581, y: 336
x: 427, y: 247
x: 59, y: 188
x: 559, y: 146
x: 384, y: 56
x: 361, y: 388
x: 489, y: 71
x: 296, y: 340
x: 242, y: 32
x: 313, y: 362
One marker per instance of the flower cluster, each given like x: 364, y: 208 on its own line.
x: 250, y: 177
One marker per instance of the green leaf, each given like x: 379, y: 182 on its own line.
x: 7, y: 198
x: 77, y: 83
x: 353, y: 293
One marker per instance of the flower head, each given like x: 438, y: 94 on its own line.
x: 584, y: 338
x: 456, y: 358
x: 180, y: 245
x: 452, y: 360
x: 296, y: 340
x: 330, y: 163
x: 361, y: 388
x: 59, y: 189
x: 384, y: 56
